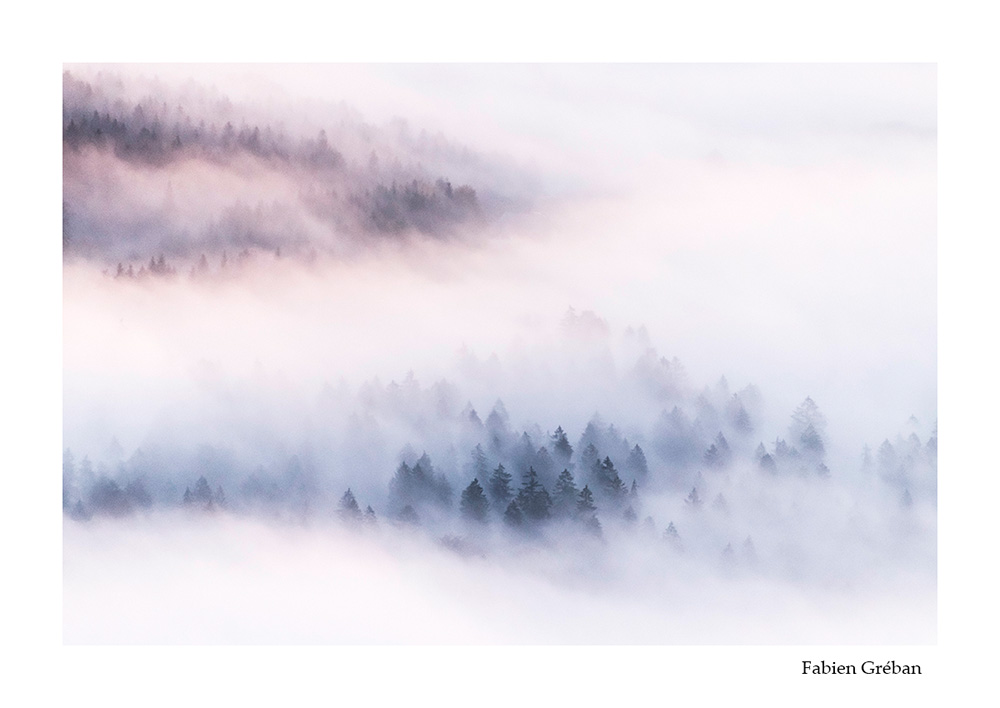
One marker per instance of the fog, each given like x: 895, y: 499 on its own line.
x: 640, y: 256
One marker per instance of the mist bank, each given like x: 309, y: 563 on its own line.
x: 817, y: 284
x: 243, y: 582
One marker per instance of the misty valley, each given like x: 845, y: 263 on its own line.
x: 614, y: 355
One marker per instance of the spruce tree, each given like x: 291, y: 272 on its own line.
x: 590, y: 460
x: 585, y: 502
x: 635, y: 463
x: 349, y: 510
x: 586, y: 511
x: 611, y: 484
x: 561, y: 449
x: 533, y: 498
x: 474, y: 505
x: 202, y: 493
x: 513, y: 516
x: 500, y: 492
x: 564, y: 494
x: 479, y: 466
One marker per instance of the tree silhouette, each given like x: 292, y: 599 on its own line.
x: 533, y: 499
x: 513, y: 516
x: 474, y: 505
x: 500, y: 492
x: 561, y: 449
x: 635, y: 464
x: 609, y: 482
x: 564, y: 494
x: 349, y: 510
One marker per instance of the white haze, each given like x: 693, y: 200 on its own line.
x: 776, y: 225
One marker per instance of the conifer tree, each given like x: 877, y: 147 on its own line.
x: 564, y: 494
x: 474, y: 505
x: 561, y: 449
x: 513, y: 516
x: 479, y: 466
x: 590, y: 461
x: 202, y: 493
x: 500, y: 492
x: 673, y: 538
x: 611, y: 484
x: 349, y: 510
x: 635, y: 464
x: 585, y: 502
x: 533, y: 498
x: 586, y: 511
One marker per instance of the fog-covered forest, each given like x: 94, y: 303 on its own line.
x: 706, y: 476
x: 479, y: 351
x: 284, y: 193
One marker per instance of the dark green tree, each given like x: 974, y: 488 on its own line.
x: 586, y: 511
x: 533, y: 498
x: 585, y: 502
x: 474, y: 504
x: 565, y: 494
x: 562, y: 451
x: 500, y: 492
x: 610, y: 483
x: 513, y: 516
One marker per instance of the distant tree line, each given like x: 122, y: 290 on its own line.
x: 379, y: 197
x: 514, y: 481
